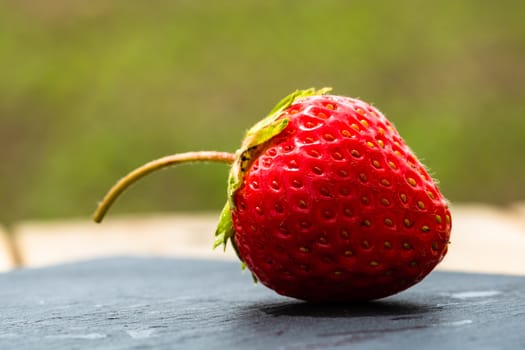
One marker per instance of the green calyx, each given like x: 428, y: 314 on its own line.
x: 262, y: 132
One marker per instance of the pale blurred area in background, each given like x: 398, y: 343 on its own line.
x: 90, y: 90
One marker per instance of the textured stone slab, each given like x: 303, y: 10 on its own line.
x: 47, y: 243
x: 6, y: 257
x: 486, y: 239
x: 191, y: 304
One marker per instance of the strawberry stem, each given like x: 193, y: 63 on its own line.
x: 158, y: 164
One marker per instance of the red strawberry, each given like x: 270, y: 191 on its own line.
x: 326, y: 202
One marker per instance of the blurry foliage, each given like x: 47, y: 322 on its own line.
x: 90, y: 90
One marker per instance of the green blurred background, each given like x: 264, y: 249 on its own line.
x: 91, y: 89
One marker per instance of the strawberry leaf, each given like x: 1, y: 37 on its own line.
x: 225, y: 227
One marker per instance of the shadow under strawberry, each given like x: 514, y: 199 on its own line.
x: 336, y: 310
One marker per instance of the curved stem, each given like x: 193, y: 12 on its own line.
x: 161, y: 163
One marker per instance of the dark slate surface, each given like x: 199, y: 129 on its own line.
x: 130, y: 303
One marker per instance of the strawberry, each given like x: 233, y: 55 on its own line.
x: 326, y: 202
